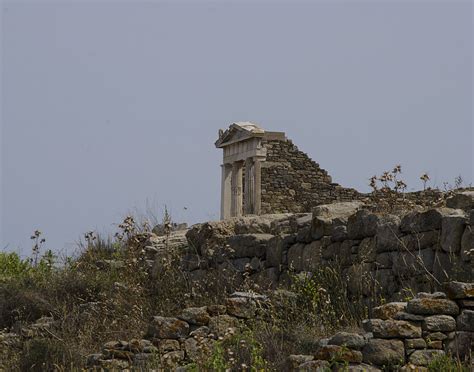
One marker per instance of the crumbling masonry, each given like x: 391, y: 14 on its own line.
x: 264, y: 172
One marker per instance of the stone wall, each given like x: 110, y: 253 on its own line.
x: 292, y: 182
x: 376, y: 253
x: 404, y: 336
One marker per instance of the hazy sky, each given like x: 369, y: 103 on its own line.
x: 113, y: 106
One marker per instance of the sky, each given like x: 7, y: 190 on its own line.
x: 112, y: 107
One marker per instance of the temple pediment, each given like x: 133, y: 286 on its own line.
x: 238, y: 132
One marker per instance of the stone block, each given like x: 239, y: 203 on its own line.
x: 465, y: 321
x: 219, y: 325
x: 241, y: 307
x: 388, y: 234
x: 416, y: 222
x: 462, y: 344
x: 312, y: 256
x: 350, y: 340
x: 415, y: 343
x: 467, y: 244
x: 452, y: 229
x: 461, y: 200
x: 295, y: 257
x: 383, y: 352
x: 391, y: 328
x: 388, y: 310
x: 439, y: 323
x: 169, y: 328
x: 337, y: 353
x: 249, y: 245
x: 459, y: 290
x: 432, y: 306
x: 424, y: 357
x: 195, y: 315
x: 362, y: 224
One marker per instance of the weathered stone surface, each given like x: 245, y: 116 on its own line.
x: 350, y: 340
x: 171, y: 359
x: 435, y: 336
x: 422, y: 240
x: 462, y: 344
x: 465, y: 321
x: 338, y: 354
x: 435, y: 295
x: 424, y: 357
x: 392, y: 328
x: 432, y: 306
x: 220, y: 324
x: 388, y: 234
x: 461, y: 200
x: 362, y: 224
x: 412, y: 368
x: 459, y: 290
x: 241, y: 307
x: 408, y: 317
x: 359, y: 367
x: 325, y: 215
x: 314, y: 366
x: 389, y: 310
x: 467, y: 244
x: 452, y: 229
x: 249, y: 245
x: 409, y: 263
x: 195, y: 315
x: 415, y: 343
x: 311, y: 258
x: 205, y: 238
x: 294, y: 361
x: 216, y: 309
x: 432, y: 344
x: 384, y: 352
x: 165, y: 346
x: 173, y: 328
x: 416, y: 222
x: 275, y: 248
x: 439, y: 323
x: 198, y: 350
x: 295, y: 257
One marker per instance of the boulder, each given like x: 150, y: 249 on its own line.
x: 384, y: 352
x: 206, y: 238
x: 241, y: 307
x: 424, y: 357
x: 432, y: 306
x: 415, y: 343
x: 311, y: 257
x: 439, y: 323
x: 275, y: 248
x: 391, y: 328
x: 337, y: 214
x: 314, y: 366
x: 172, y: 328
x: 219, y: 325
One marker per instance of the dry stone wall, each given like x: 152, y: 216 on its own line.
x: 380, y: 254
x: 292, y: 182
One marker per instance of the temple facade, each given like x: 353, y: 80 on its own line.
x: 264, y: 172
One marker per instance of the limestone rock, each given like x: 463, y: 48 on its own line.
x: 314, y: 366
x: 294, y: 361
x: 392, y: 328
x: 452, y: 229
x: 439, y: 323
x: 459, y: 290
x: 325, y: 215
x: 467, y: 244
x: 249, y: 245
x: 432, y: 306
x: 465, y: 321
x: 416, y: 222
x: 241, y: 307
x: 173, y: 328
x: 462, y: 200
x: 350, y: 340
x: 388, y: 234
x: 415, y: 343
x: 338, y: 354
x: 220, y: 324
x: 424, y: 357
x: 275, y: 248
x: 195, y: 315
x: 462, y: 344
x: 389, y: 310
x: 384, y: 352
x: 362, y: 224
x: 359, y: 367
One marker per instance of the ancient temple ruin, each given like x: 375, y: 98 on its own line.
x: 264, y: 172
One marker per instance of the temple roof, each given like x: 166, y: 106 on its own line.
x: 237, y: 132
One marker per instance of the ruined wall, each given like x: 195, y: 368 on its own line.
x: 378, y: 254
x: 292, y: 182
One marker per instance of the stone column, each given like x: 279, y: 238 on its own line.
x: 226, y: 192
x: 249, y: 186
x: 236, y: 204
x: 257, y: 185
